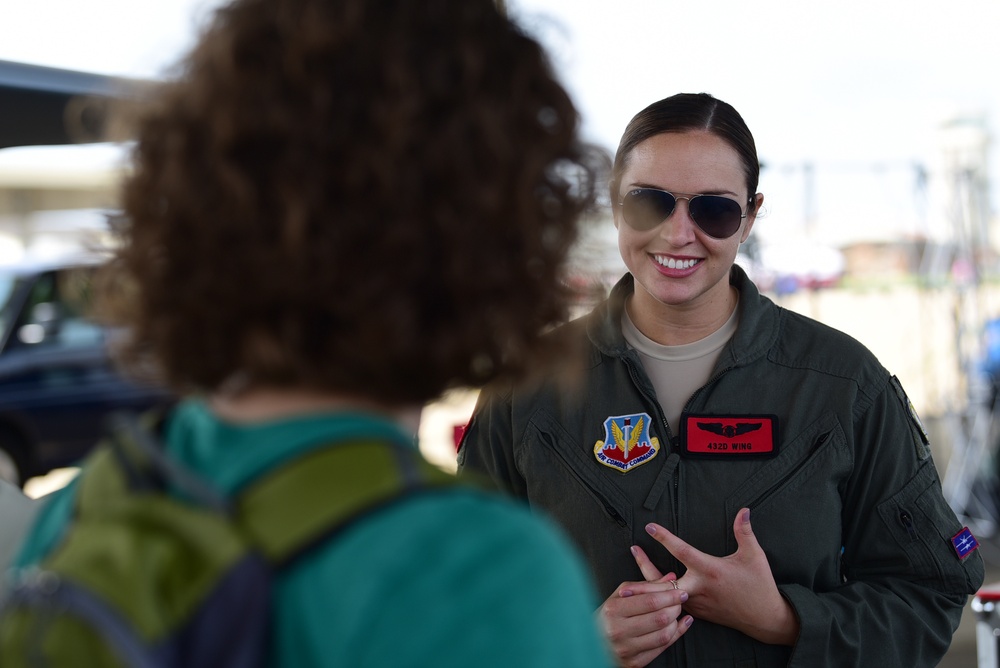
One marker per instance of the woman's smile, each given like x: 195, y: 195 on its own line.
x: 675, y: 266
x: 680, y: 270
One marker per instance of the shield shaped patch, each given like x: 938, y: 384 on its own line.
x: 627, y: 442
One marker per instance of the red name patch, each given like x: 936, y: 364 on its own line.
x: 729, y: 435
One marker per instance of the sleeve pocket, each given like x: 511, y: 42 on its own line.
x: 922, y: 523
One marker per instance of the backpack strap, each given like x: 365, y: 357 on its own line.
x: 283, y: 512
x: 147, y: 466
x: 286, y: 510
x: 313, y: 496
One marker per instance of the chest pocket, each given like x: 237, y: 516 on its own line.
x: 796, y: 505
x: 551, y: 448
x: 564, y: 480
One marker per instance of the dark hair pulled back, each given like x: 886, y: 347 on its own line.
x: 687, y: 112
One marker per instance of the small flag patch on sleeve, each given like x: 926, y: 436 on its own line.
x: 964, y: 542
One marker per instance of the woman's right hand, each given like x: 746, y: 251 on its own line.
x: 641, y: 619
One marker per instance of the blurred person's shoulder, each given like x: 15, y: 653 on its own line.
x: 17, y: 512
x: 469, y: 523
x: 461, y: 555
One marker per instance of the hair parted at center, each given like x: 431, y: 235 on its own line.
x: 688, y: 112
x: 352, y: 196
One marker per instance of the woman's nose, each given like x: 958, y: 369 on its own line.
x: 678, y: 227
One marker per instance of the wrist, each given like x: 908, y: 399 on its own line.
x: 782, y: 627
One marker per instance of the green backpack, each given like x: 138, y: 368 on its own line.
x: 157, y: 569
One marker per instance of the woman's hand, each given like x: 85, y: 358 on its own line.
x: 737, y: 591
x: 641, y: 619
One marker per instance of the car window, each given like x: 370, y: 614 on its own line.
x: 56, y: 312
x: 8, y: 282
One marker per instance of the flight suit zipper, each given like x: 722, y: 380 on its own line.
x: 906, y: 519
x: 668, y: 434
x: 614, y: 514
x: 687, y: 409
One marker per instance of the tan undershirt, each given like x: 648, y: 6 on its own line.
x: 677, y: 371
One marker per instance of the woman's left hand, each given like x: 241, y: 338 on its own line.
x: 737, y: 591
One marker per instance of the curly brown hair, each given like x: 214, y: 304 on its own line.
x: 374, y: 198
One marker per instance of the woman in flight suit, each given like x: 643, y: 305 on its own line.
x: 761, y: 464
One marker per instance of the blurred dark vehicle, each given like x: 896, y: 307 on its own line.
x: 57, y: 378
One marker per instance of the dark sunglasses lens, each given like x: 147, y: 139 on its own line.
x: 644, y: 209
x: 717, y: 217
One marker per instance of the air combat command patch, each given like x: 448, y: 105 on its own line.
x: 627, y: 442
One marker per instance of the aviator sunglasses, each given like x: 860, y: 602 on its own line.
x: 645, y: 208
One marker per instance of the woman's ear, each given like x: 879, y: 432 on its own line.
x: 758, y: 201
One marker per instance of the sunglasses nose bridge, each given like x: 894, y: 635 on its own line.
x: 687, y: 207
x: 678, y: 224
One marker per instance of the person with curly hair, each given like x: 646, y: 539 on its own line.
x: 337, y: 211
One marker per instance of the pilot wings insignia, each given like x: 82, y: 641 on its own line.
x: 728, y: 430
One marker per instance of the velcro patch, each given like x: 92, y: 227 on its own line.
x: 922, y: 442
x: 964, y: 543
x: 627, y: 442
x: 729, y: 436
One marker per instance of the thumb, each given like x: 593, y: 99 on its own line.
x: 742, y: 528
x: 649, y: 571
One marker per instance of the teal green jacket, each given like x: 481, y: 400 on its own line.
x: 836, y: 469
x: 454, y: 577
